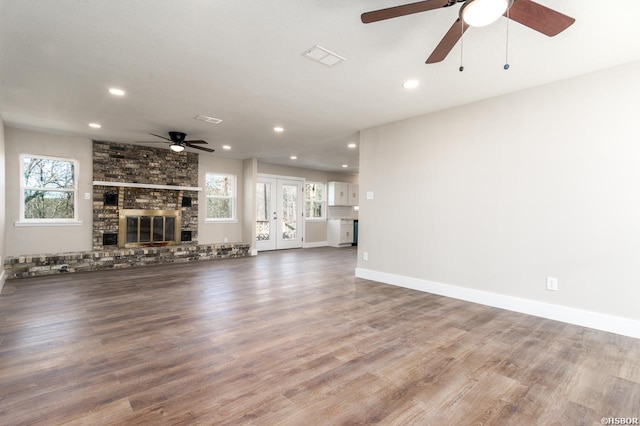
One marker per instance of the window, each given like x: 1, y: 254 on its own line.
x: 48, y: 189
x: 314, y: 201
x: 221, y: 197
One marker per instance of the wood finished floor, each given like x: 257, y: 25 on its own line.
x: 293, y: 338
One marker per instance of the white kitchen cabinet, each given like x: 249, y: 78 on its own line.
x: 338, y: 194
x: 353, y: 194
x: 339, y: 232
x: 342, y: 194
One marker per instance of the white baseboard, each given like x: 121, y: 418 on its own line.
x: 3, y: 276
x: 595, y: 320
x: 314, y: 244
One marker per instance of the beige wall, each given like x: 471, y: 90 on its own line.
x: 315, y: 232
x: 2, y: 203
x: 250, y: 173
x: 47, y: 239
x: 498, y: 195
x: 311, y: 175
x: 212, y: 232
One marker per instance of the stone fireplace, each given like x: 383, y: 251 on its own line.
x: 143, y: 196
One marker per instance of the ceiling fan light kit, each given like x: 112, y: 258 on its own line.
x: 178, y: 142
x: 480, y: 13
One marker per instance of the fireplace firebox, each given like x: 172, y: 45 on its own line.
x: 148, y: 228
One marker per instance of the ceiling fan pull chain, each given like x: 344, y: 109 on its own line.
x: 506, y: 59
x: 461, y: 43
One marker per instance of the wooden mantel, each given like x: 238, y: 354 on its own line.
x: 146, y: 185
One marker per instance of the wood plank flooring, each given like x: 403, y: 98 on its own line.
x: 293, y: 338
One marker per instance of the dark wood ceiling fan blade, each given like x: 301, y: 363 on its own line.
x: 405, y: 9
x: 198, y: 141
x: 448, y: 41
x: 163, y: 137
x: 151, y: 142
x: 538, y: 17
x: 199, y: 147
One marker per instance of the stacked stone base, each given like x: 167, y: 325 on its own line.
x: 50, y: 264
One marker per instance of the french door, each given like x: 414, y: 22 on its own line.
x: 279, y: 213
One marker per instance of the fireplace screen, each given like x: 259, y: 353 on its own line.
x: 140, y: 228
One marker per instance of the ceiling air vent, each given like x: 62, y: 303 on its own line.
x: 208, y: 119
x: 324, y: 56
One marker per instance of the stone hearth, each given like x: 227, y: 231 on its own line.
x: 50, y: 264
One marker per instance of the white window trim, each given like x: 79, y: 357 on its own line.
x: 44, y: 221
x: 234, y: 192
x: 324, y: 200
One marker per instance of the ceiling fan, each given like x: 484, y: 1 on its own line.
x: 178, y: 142
x: 478, y: 13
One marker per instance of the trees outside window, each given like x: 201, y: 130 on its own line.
x: 221, y: 197
x: 48, y: 188
x: 315, y: 201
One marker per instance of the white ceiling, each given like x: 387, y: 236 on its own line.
x: 242, y: 61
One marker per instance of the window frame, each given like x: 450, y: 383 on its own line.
x: 23, y: 221
x: 233, y: 197
x: 322, y: 218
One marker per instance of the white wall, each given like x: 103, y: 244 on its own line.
x: 496, y: 196
x: 212, y: 232
x: 315, y: 231
x: 47, y: 239
x: 2, y: 203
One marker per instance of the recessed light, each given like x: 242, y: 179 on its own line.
x: 293, y: 157
x: 278, y: 129
x: 95, y: 125
x: 227, y: 147
x: 352, y: 145
x: 116, y: 91
x: 345, y: 166
x: 411, y: 84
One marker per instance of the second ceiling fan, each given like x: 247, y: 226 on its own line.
x: 479, y: 13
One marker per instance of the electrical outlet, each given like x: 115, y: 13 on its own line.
x: 226, y: 240
x: 87, y: 195
x: 365, y: 256
x: 369, y: 195
x: 552, y: 284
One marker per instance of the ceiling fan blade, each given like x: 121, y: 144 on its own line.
x: 405, y: 9
x: 199, y: 147
x: 538, y: 17
x: 163, y: 137
x: 151, y: 142
x: 448, y: 41
x: 197, y: 141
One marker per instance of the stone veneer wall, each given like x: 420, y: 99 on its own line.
x: 126, y: 163
x: 51, y: 264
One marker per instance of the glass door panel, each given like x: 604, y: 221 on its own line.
x: 265, y: 214
x: 289, y: 212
